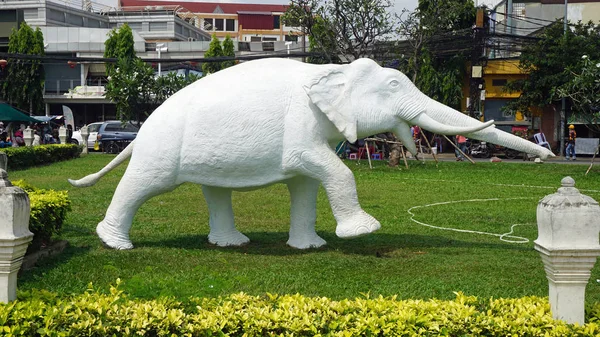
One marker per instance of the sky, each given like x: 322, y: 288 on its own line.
x: 398, y: 5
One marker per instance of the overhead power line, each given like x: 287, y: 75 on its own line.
x: 50, y: 58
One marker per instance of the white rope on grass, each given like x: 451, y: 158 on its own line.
x: 506, y: 237
x: 502, y: 185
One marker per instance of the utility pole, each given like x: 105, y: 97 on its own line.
x: 476, y: 83
x: 563, y: 102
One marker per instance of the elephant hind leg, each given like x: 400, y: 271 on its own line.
x: 303, y: 213
x: 133, y: 190
x: 222, y: 227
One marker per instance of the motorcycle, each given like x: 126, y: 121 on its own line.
x: 479, y: 149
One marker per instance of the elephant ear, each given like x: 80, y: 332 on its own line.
x: 329, y: 94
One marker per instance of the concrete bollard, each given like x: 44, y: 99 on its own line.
x: 14, y: 234
x: 62, y: 134
x: 84, y: 137
x: 28, y: 136
x: 568, y: 243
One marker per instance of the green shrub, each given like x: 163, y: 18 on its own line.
x: 40, y: 313
x: 28, y: 156
x: 48, y: 212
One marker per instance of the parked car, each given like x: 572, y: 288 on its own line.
x: 93, y: 134
x: 114, y: 136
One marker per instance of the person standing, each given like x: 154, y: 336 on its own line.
x: 570, y: 151
x: 461, y: 142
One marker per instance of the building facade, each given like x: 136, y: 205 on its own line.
x: 79, y: 30
x: 242, y: 22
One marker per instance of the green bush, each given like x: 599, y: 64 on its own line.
x: 41, y: 313
x: 48, y: 212
x: 28, y: 156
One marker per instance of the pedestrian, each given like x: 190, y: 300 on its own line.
x: 570, y: 151
x: 461, y: 142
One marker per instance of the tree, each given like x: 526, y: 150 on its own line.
x: 119, y: 45
x: 214, y: 50
x: 131, y: 87
x: 228, y: 50
x: 24, y: 81
x: 439, y: 42
x: 356, y: 25
x: 583, y: 89
x: 322, y: 40
x: 169, y: 84
x: 550, y: 63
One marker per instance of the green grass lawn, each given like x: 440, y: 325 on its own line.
x: 404, y: 258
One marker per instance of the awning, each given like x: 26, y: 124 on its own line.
x: 9, y: 113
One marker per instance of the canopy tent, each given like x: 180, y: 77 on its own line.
x: 10, y: 114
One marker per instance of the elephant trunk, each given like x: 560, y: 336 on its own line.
x: 448, y: 116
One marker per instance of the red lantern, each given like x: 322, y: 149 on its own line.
x: 154, y: 64
x: 72, y: 64
x: 193, y: 63
x: 3, y: 64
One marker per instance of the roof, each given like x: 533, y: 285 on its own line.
x: 8, y: 113
x: 209, y: 7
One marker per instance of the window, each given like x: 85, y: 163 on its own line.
x: 230, y: 25
x: 276, y: 22
x: 208, y: 24
x: 255, y: 39
x: 219, y: 25
x: 268, y: 46
x: 118, y: 127
x: 94, y: 127
x: 499, y: 82
x: 519, y: 10
x: 293, y: 38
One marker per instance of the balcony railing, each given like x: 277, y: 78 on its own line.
x: 93, y: 88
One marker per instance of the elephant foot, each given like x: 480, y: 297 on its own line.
x: 233, y: 238
x: 357, y: 225
x: 306, y: 241
x: 112, y: 239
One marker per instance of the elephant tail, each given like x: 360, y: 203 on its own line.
x: 93, y: 178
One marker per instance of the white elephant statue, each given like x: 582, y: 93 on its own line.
x: 276, y: 121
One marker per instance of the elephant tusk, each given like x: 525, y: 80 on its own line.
x: 428, y: 123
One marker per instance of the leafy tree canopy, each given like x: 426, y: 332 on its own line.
x: 214, y: 50
x: 551, y: 62
x: 131, y: 87
x: 431, y: 31
x: 228, y: 50
x: 119, y: 45
x: 24, y: 79
x: 583, y: 89
x: 348, y: 29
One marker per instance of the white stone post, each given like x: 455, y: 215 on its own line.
x: 85, y: 133
x: 28, y: 136
x: 568, y: 243
x: 14, y: 233
x: 62, y: 134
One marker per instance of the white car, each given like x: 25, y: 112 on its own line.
x: 93, y: 130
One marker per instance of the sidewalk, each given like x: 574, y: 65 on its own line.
x: 447, y: 156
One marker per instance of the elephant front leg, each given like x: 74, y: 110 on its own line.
x: 338, y: 181
x: 222, y: 228
x: 303, y: 213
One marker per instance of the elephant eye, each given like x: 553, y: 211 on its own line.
x: 394, y: 83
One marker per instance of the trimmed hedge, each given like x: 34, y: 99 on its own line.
x: 48, y: 212
x: 42, y: 313
x: 27, y: 156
